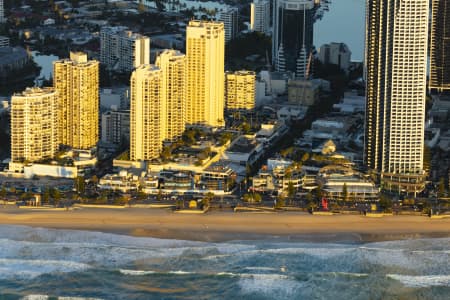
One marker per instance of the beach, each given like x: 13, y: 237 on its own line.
x: 142, y: 253
x: 228, y: 226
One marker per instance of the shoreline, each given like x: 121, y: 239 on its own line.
x: 228, y: 226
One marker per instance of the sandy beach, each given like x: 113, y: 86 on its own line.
x: 224, y: 226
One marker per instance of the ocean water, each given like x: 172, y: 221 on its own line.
x: 62, y: 264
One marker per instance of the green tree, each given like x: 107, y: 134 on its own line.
x: 344, y: 192
x: 385, y: 203
x: 46, y: 196
x: 56, y: 196
x: 3, y: 193
x: 441, y: 188
x: 80, y: 185
x: 291, y: 191
x: 280, y: 201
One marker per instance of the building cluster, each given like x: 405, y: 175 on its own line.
x: 337, y: 182
x: 217, y: 179
x: 65, y: 116
x: 192, y: 90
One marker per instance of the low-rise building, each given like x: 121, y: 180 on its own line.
x: 124, y: 182
x: 306, y: 92
x: 344, y: 184
x: 217, y: 178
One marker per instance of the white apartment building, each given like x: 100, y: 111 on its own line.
x: 34, y: 126
x: 230, y: 19
x: 240, y: 90
x: 173, y: 93
x: 122, y: 50
x: 260, y: 16
x: 396, y: 74
x: 205, y: 53
x: 146, y: 113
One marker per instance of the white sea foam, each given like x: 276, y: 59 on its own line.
x: 422, y: 281
x: 284, y: 287
x: 261, y: 269
x: 180, y: 272
x: 35, y: 297
x: 77, y: 298
x: 24, y: 268
x: 136, y: 272
x: 45, y: 297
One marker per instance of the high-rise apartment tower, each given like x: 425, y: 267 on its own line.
x: 396, y: 69
x: 34, y: 127
x: 146, y: 113
x: 77, y: 80
x: 260, y: 16
x: 122, y: 50
x: 205, y: 54
x: 230, y: 18
x: 173, y: 93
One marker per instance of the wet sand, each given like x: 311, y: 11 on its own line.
x: 225, y: 226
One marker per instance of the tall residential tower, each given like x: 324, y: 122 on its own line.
x: 122, y: 50
x: 173, y: 93
x: 77, y: 80
x: 396, y: 69
x: 260, y: 16
x: 146, y: 113
x: 440, y: 46
x: 205, y: 53
x: 34, y: 127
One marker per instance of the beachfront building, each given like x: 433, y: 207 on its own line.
x: 146, y: 116
x: 343, y: 184
x: 124, y: 182
x: 260, y: 16
x: 76, y: 80
x: 205, y: 57
x: 217, y: 178
x: 396, y: 72
x: 440, y: 46
x: 122, y: 50
x: 240, y: 90
x: 173, y: 93
x: 229, y: 18
x: 34, y: 126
